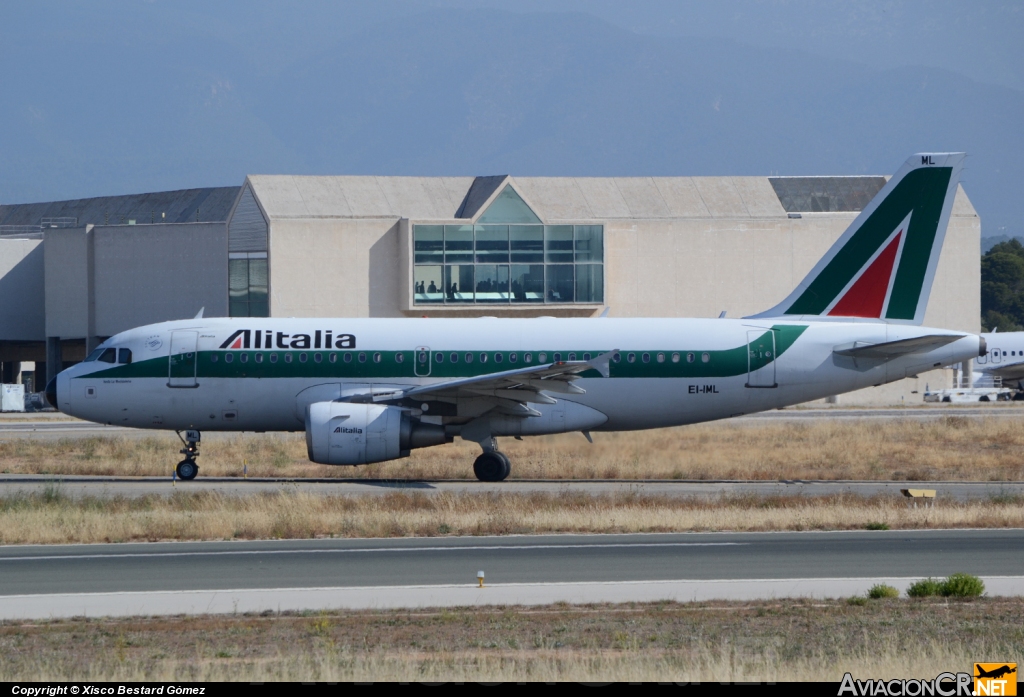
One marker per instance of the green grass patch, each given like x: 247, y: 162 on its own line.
x: 953, y: 586
x: 880, y: 590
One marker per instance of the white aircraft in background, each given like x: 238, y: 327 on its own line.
x: 371, y: 390
x: 1004, y: 363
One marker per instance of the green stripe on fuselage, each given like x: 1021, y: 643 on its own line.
x: 212, y: 364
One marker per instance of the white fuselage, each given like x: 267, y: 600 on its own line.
x: 671, y: 371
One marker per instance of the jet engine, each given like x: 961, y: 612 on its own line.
x: 339, y: 433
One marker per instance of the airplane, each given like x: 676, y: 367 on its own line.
x: 1004, y: 363
x: 369, y: 390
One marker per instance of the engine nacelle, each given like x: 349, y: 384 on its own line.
x: 339, y: 433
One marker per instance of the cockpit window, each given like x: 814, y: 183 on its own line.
x: 108, y: 356
x: 124, y: 355
x: 94, y: 355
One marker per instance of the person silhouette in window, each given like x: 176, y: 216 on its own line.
x: 432, y: 288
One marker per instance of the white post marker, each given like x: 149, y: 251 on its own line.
x: 480, y: 578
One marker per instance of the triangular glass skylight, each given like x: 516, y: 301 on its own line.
x: 509, y: 207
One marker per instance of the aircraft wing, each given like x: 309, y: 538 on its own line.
x: 512, y: 389
x: 894, y: 349
x: 1006, y: 371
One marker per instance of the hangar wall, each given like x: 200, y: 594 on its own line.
x: 130, y: 290
x: 21, y: 290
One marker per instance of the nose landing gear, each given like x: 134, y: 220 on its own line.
x: 187, y: 469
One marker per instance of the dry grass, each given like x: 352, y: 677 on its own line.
x: 949, y: 448
x: 761, y: 641
x: 53, y: 518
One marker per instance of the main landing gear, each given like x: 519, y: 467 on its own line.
x: 492, y: 465
x: 187, y: 469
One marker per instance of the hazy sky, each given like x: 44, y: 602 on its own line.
x: 106, y: 97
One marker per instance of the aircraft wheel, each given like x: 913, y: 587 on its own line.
x: 187, y: 470
x: 508, y: 465
x: 491, y: 467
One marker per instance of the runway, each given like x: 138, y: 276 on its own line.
x: 168, y: 578
x: 132, y: 487
x: 56, y: 425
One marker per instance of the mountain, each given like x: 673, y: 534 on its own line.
x: 173, y: 99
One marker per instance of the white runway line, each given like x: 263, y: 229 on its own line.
x: 53, y: 606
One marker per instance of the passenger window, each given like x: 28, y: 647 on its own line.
x: 454, y: 358
x: 124, y: 355
x: 110, y: 356
x: 527, y: 358
x: 512, y: 358
x: 557, y: 358
x: 572, y: 356
x: 497, y: 358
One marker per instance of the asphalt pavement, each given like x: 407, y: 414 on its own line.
x: 160, y: 578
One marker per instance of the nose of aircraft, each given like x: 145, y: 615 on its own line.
x: 51, y: 393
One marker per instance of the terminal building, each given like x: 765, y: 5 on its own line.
x: 75, y: 272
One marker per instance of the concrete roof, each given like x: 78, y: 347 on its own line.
x: 213, y: 205
x: 553, y: 198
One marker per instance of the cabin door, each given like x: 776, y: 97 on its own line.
x: 761, y: 358
x: 182, y: 361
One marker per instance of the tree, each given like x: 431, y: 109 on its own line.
x: 1002, y: 287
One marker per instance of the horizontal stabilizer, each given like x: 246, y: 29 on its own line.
x: 894, y: 349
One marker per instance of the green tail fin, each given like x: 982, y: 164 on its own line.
x: 883, y: 266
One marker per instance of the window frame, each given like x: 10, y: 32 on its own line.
x: 528, y: 285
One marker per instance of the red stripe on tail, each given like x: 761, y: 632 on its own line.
x: 867, y: 295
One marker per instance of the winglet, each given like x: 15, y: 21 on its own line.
x: 602, y: 363
x: 199, y: 315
